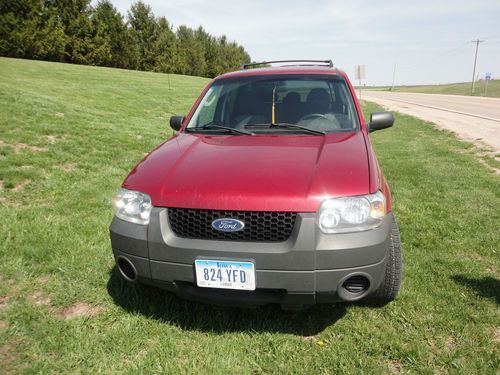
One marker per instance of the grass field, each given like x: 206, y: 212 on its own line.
x: 70, y: 134
x: 462, y: 88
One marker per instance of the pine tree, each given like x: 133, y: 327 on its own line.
x: 144, y: 29
x: 28, y: 29
x: 75, y: 32
x: 192, y: 55
x: 109, y: 26
x: 165, y: 48
x: 75, y: 19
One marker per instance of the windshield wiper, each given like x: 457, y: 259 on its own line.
x: 227, y: 128
x: 286, y: 126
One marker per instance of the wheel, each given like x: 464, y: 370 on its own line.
x: 389, y: 288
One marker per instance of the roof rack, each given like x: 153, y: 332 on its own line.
x: 328, y: 63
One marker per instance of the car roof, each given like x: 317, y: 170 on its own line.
x: 290, y: 69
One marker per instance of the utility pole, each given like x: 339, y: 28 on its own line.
x: 360, y: 89
x: 477, y: 41
x: 393, y: 77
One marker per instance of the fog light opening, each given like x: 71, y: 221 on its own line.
x: 126, y: 269
x: 356, y: 284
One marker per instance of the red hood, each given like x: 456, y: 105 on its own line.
x: 253, y: 173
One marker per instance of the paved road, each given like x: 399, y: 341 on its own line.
x: 473, y: 118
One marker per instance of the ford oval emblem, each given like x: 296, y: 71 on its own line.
x: 228, y: 225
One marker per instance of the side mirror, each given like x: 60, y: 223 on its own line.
x: 380, y: 120
x: 176, y: 122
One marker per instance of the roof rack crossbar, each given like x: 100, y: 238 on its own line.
x: 308, y: 62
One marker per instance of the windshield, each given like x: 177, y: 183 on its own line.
x: 261, y: 104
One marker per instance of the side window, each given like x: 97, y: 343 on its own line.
x: 348, y: 109
x: 208, y: 106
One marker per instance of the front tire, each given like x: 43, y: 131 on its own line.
x: 389, y: 288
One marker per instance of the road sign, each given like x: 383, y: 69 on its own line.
x: 359, y: 72
x: 487, y: 76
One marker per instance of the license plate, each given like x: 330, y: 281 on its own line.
x: 225, y: 274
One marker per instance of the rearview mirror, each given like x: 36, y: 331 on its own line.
x: 380, y: 120
x: 176, y: 122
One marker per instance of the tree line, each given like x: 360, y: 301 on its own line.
x: 74, y: 31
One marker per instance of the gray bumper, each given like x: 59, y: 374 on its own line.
x: 310, y: 267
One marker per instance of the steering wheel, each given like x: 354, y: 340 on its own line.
x: 334, y: 123
x: 311, y: 116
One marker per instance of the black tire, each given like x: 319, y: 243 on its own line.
x: 389, y: 288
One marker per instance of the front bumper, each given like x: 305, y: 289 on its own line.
x: 310, y: 267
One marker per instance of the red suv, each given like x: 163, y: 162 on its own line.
x: 269, y: 192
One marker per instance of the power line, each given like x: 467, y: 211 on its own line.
x: 451, y: 51
x: 492, y: 37
x: 437, y: 56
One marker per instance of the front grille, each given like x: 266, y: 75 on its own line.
x: 260, y: 226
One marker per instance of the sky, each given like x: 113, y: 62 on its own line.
x: 429, y: 41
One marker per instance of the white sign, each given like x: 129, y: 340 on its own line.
x: 487, y: 76
x: 359, y: 72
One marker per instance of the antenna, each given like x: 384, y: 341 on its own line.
x: 169, y: 95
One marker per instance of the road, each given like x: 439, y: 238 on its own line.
x: 474, y: 119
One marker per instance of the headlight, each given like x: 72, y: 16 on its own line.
x: 351, y: 214
x: 132, y: 206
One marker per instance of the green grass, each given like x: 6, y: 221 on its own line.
x: 462, y: 88
x: 84, y: 128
